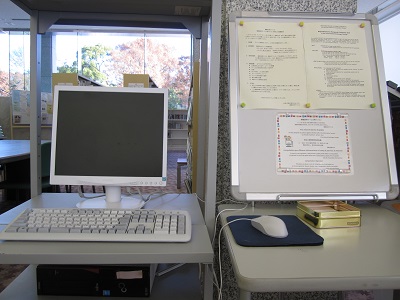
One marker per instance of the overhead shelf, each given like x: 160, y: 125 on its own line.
x: 172, y: 14
x: 194, y: 8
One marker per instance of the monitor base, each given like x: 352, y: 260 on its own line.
x: 127, y: 202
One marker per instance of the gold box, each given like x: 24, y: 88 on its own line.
x: 328, y: 214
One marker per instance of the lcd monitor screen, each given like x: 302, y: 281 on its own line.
x: 109, y: 136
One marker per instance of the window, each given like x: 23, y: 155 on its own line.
x: 390, y: 48
x: 14, y: 61
x: 105, y: 57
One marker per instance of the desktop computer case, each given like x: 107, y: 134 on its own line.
x: 100, y: 281
x: 328, y: 214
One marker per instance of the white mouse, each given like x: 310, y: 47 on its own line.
x: 271, y: 226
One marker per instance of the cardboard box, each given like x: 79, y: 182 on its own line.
x: 136, y: 80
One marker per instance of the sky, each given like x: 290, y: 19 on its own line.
x: 19, y: 40
x: 68, y: 45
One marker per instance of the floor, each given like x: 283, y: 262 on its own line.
x: 9, y: 272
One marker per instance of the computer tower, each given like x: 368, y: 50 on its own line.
x: 100, y: 281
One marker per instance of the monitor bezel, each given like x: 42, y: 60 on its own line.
x: 134, y: 181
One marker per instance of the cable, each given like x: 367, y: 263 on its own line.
x: 219, y: 202
x: 216, y: 219
x: 143, y: 197
x: 82, y: 195
x: 148, y: 197
x: 219, y: 254
x: 216, y: 283
x: 198, y: 198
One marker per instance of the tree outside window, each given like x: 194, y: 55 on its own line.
x: 106, y: 65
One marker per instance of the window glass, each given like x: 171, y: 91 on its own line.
x: 19, y: 60
x: 4, y: 64
x: 14, y: 61
x: 389, y: 31
x: 105, y: 57
x: 170, y: 69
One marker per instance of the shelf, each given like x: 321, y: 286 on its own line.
x: 177, y: 147
x: 182, y: 283
x: 199, y: 8
x: 177, y: 129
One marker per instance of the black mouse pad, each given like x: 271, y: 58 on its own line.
x: 299, y: 233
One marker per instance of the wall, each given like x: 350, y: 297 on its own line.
x: 230, y: 290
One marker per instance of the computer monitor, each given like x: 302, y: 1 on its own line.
x: 111, y: 137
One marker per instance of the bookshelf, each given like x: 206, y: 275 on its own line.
x: 177, y: 129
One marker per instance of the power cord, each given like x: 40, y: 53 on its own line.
x: 216, y: 282
x: 222, y: 211
x: 82, y: 195
x: 219, y: 254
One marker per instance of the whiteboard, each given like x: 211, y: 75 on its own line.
x: 255, y: 151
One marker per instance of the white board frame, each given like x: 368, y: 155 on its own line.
x: 253, y: 172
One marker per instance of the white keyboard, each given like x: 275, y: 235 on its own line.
x: 106, y: 225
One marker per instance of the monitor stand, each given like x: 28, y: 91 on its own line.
x: 112, y: 199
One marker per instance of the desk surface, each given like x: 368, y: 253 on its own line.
x: 360, y: 258
x: 13, y: 150
x: 198, y: 250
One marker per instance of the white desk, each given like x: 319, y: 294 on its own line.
x: 14, y: 156
x: 361, y: 258
x: 14, y: 150
x: 197, y: 251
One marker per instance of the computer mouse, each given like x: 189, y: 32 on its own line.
x: 271, y: 226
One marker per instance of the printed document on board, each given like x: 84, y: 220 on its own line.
x: 318, y: 65
x: 338, y: 68
x: 271, y: 65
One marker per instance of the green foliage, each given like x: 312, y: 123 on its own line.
x: 68, y: 69
x: 93, y: 60
x: 174, y: 101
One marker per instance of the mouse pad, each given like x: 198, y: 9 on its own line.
x: 299, y: 233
